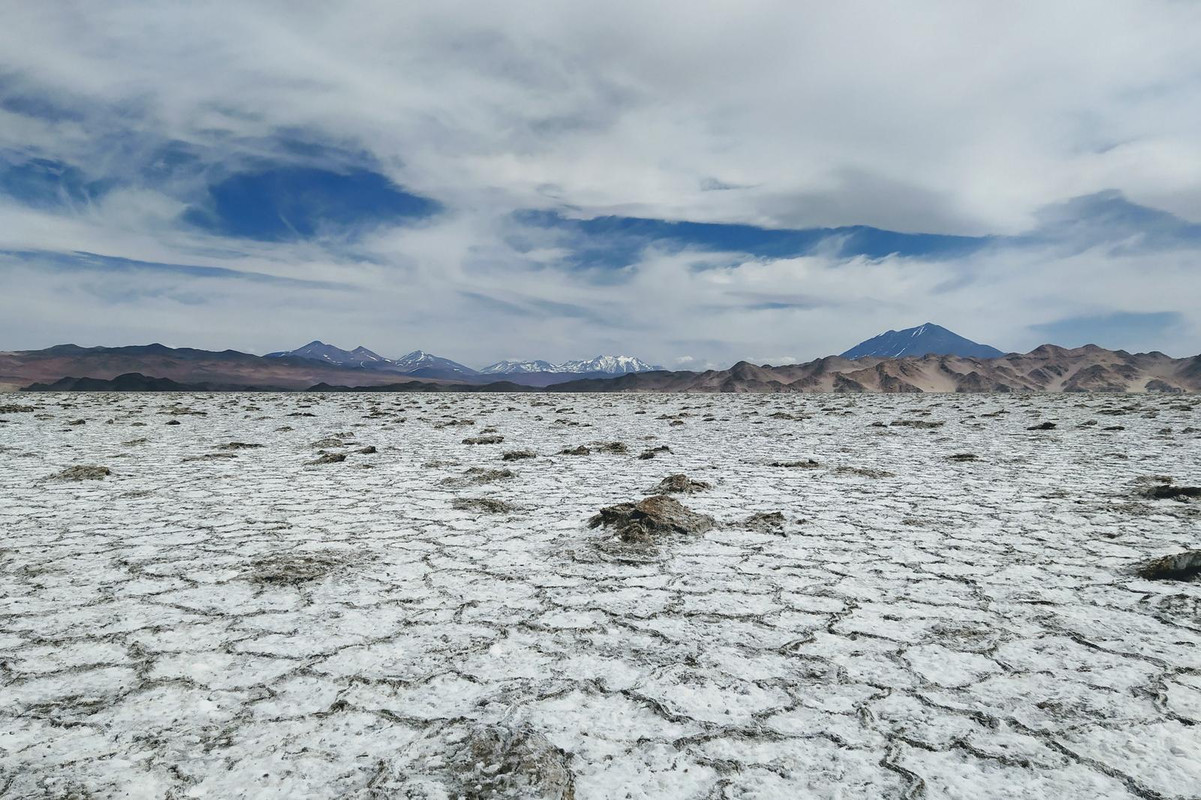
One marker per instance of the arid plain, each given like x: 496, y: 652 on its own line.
x: 351, y: 595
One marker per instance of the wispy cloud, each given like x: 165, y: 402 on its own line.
x: 490, y: 181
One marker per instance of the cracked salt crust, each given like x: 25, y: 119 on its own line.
x: 252, y: 626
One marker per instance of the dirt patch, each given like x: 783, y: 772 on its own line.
x: 327, y: 458
x: 864, y: 472
x: 484, y: 504
x: 1172, y: 492
x: 475, y: 476
x: 82, y: 472
x: 680, y: 484
x: 807, y: 463
x: 766, y: 522
x: 651, y: 518
x: 498, y: 761
x: 292, y: 568
x: 492, y: 439
x: 651, y: 452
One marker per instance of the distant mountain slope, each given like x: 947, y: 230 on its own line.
x: 427, y: 365
x: 183, y: 364
x: 924, y: 340
x: 417, y: 363
x: 1045, y: 369
x: 320, y: 351
x: 601, y: 365
x: 519, y: 367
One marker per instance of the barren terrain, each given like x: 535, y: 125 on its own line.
x: 359, y: 596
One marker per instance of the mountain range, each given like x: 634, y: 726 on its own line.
x: 868, y: 367
x: 421, y: 364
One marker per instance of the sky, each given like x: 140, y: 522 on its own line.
x: 692, y: 183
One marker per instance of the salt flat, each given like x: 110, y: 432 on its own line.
x: 216, y: 620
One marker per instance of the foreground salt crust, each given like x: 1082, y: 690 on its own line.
x: 211, y: 619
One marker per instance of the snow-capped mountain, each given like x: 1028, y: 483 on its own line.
x: 518, y: 367
x: 610, y: 365
x: 418, y: 362
x: 327, y: 353
x: 928, y: 339
x: 606, y: 365
x: 425, y: 363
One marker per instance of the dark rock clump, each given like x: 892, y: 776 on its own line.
x: 865, y: 472
x: 680, y: 484
x: 82, y: 472
x: 500, y: 761
x: 1042, y: 426
x: 1184, y: 566
x: 649, y: 519
x: 490, y: 439
x: 328, y: 458
x: 485, y: 504
x: 651, y: 452
x: 766, y: 522
x: 518, y: 455
x: 582, y: 450
x: 807, y: 463
x: 1172, y: 492
x: 293, y: 568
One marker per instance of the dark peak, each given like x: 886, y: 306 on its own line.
x: 922, y: 340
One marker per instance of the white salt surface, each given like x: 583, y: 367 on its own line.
x: 254, y: 626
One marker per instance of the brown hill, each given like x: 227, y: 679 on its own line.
x: 186, y: 365
x: 1045, y: 369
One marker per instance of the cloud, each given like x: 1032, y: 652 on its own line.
x: 661, y: 179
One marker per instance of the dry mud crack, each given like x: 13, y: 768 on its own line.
x: 416, y: 619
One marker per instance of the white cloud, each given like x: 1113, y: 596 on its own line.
x: 927, y: 116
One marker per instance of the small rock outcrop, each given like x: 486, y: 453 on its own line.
x: 1184, y: 566
x: 327, y: 458
x: 494, y: 438
x: 766, y: 522
x: 651, y: 452
x: 484, y: 504
x: 502, y: 761
x: 82, y: 472
x: 649, y: 519
x: 1170, y: 491
x: 680, y: 484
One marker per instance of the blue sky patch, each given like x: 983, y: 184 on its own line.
x: 618, y: 241
x: 287, y: 203
x: 48, y: 184
x: 1116, y: 330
